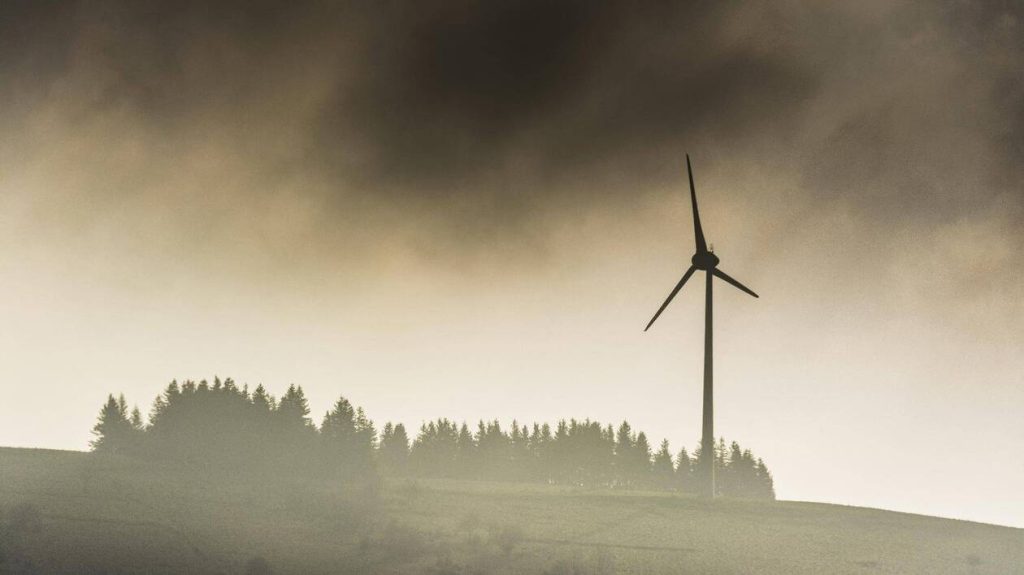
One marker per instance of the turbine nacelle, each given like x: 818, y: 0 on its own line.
x: 704, y: 260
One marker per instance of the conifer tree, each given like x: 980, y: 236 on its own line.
x: 113, y: 430
x: 766, y: 486
x: 293, y: 435
x: 466, y: 456
x: 684, y: 472
x: 365, y: 442
x: 349, y: 439
x: 338, y: 435
x: 641, y: 468
x: 136, y: 420
x: 262, y: 401
x: 663, y: 469
x: 366, y: 433
x: 394, y: 450
x: 700, y: 463
x: 733, y: 478
x: 558, y: 468
x: 339, y: 424
x: 719, y: 462
x: 520, y: 457
x: 624, y: 442
x: 494, y: 448
x: 293, y: 409
x: 434, y: 451
x: 542, y: 449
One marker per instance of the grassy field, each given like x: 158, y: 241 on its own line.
x: 74, y: 513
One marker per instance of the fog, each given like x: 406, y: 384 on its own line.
x: 471, y: 212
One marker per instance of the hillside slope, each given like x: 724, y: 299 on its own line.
x: 75, y: 513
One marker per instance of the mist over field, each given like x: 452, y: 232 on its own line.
x: 459, y: 212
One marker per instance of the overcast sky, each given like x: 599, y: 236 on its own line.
x: 471, y: 210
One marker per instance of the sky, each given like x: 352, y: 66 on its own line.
x: 471, y: 210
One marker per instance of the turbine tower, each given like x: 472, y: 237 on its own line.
x: 705, y: 260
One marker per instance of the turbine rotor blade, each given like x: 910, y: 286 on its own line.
x: 698, y: 232
x: 735, y: 283
x: 675, y: 290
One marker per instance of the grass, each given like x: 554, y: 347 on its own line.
x: 74, y: 513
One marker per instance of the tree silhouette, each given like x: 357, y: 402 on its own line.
x: 641, y: 467
x: 293, y: 410
x: 467, y: 462
x: 684, y: 473
x: 115, y: 432
x: 394, y: 450
x: 766, y: 483
x: 434, y: 451
x: 365, y: 444
x: 339, y: 438
x: 222, y: 426
x: 624, y: 440
x: 663, y: 470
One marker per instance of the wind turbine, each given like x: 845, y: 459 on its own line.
x: 705, y: 260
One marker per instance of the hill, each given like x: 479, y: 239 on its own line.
x: 74, y: 512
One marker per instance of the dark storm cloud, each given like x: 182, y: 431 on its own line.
x: 935, y: 131
x: 494, y: 110
x: 453, y: 96
x: 430, y: 99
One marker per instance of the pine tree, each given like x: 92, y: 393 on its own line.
x: 366, y: 433
x: 349, y: 439
x: 520, y: 456
x: 339, y: 424
x: 543, y: 450
x: 434, y: 453
x: 663, y: 468
x: 684, y: 472
x: 494, y: 449
x: 641, y: 467
x: 138, y: 432
x: 136, y: 420
x: 766, y: 483
x: 338, y: 436
x: 293, y: 409
x: 624, y: 443
x: 293, y: 437
x: 394, y: 450
x: 466, y: 456
x: 113, y: 430
x: 365, y: 443
x: 262, y: 401
x: 719, y: 462
x: 701, y: 463
x: 733, y: 477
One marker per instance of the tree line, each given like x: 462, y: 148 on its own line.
x: 220, y: 425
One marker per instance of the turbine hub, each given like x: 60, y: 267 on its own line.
x: 704, y: 260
